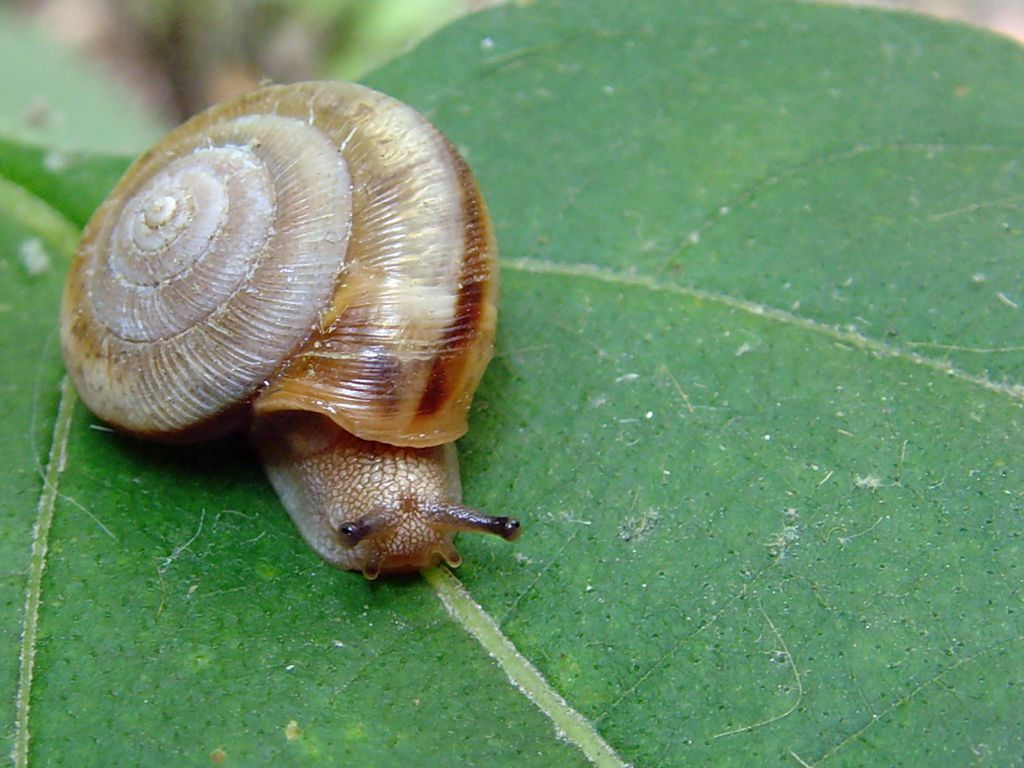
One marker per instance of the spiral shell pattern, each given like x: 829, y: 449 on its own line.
x: 311, y: 247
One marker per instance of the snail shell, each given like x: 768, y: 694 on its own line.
x: 314, y: 262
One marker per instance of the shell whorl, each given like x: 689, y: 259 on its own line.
x: 310, y: 247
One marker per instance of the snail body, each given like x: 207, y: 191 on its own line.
x: 313, y: 263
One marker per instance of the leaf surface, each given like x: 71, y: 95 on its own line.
x: 55, y: 99
x: 757, y: 398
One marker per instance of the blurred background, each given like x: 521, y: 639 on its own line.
x: 167, y: 59
x: 184, y: 55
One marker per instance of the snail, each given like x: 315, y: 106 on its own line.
x: 313, y: 263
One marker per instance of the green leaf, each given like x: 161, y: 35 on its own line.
x: 50, y: 97
x: 757, y: 398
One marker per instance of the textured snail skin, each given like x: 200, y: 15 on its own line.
x: 315, y: 263
x: 410, y: 495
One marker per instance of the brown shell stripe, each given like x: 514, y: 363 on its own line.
x: 475, y: 276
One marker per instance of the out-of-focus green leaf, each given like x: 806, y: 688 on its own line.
x: 757, y: 398
x: 50, y: 98
x: 375, y: 32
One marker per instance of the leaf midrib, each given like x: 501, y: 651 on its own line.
x: 570, y: 724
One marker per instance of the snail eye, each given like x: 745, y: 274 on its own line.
x: 352, y: 533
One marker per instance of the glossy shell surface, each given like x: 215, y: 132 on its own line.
x: 315, y: 247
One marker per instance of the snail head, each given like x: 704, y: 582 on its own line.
x: 416, y: 535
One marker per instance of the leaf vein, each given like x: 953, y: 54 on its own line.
x: 35, y: 214
x: 877, y: 717
x: 681, y: 641
x: 844, y: 336
x: 37, y: 566
x: 555, y: 558
x: 569, y: 724
x: 836, y: 155
x: 796, y: 675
